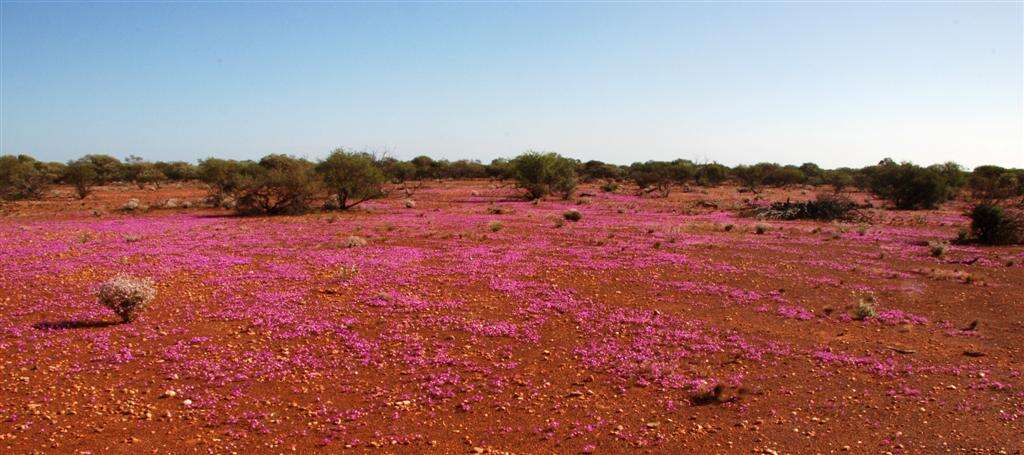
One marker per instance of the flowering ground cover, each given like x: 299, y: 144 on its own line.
x: 646, y: 325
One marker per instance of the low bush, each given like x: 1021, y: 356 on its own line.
x: 865, y: 309
x: 354, y: 241
x: 127, y: 296
x: 994, y: 225
x: 572, y: 215
x: 495, y: 226
x: 825, y: 207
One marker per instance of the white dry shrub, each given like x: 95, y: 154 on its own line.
x: 354, y: 241
x: 127, y: 296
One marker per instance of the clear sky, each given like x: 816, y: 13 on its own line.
x: 837, y: 84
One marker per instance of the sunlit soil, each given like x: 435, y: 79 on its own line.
x: 644, y: 325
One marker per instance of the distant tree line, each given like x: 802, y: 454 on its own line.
x: 286, y: 184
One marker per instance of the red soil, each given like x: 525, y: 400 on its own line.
x: 440, y: 335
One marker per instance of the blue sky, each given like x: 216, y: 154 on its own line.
x: 836, y: 84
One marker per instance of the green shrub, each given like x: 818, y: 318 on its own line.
x: 281, y: 185
x: 541, y: 174
x: 994, y: 225
x: 572, y: 215
x: 353, y: 177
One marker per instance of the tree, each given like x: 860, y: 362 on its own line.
x: 107, y: 168
x: 426, y: 167
x: 81, y: 173
x: 142, y: 172
x: 595, y: 170
x: 752, y: 176
x: 177, y: 170
x: 226, y: 177
x: 541, y: 174
x: 22, y: 177
x: 353, y: 177
x: 838, y: 178
x: 281, y: 185
x: 907, y: 186
x: 500, y: 169
x: 653, y: 176
x: 711, y: 174
x: 783, y: 176
x: 994, y: 184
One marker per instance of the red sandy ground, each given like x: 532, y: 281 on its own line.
x: 605, y: 351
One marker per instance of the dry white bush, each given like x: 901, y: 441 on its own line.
x: 127, y: 296
x: 354, y: 241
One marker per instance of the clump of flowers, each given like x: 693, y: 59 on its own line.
x: 572, y: 215
x: 127, y: 296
